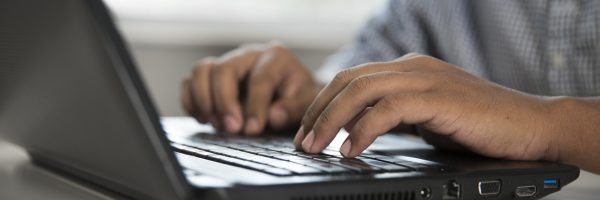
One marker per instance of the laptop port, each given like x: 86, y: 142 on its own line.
x: 525, y: 191
x: 489, y: 187
x: 425, y: 193
x: 451, y: 191
x: 551, y: 184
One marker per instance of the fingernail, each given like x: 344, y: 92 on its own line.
x: 298, y: 138
x: 308, y: 141
x: 345, y: 149
x: 251, y: 126
x: 232, y: 125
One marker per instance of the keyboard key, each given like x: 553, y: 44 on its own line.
x: 277, y: 171
x: 322, y: 157
x: 292, y: 158
x: 403, y: 162
x: 353, y: 164
x: 279, y: 157
x: 323, y: 166
x: 296, y: 168
x: 385, y: 165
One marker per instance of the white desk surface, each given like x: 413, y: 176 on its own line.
x: 20, y: 179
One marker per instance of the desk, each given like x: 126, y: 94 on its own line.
x: 20, y: 179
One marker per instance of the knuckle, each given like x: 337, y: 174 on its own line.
x: 277, y: 52
x: 220, y: 69
x: 248, y: 47
x: 277, y: 48
x: 324, y: 118
x: 342, y: 77
x: 197, y: 69
x: 359, y: 84
x: 389, y: 103
x: 418, y: 57
x: 309, y: 116
x: 412, y: 54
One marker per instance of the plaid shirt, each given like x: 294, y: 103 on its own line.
x: 544, y: 47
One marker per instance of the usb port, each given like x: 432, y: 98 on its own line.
x: 551, y: 183
x: 525, y: 191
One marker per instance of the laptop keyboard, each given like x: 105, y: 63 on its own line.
x: 279, y: 157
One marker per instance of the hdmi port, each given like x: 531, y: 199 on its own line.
x: 525, y: 191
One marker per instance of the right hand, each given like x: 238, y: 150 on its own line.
x: 278, y: 89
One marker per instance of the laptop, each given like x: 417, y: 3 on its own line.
x: 71, y: 96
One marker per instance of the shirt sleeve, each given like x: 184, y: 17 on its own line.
x: 391, y: 33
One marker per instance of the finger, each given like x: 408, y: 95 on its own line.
x: 200, y: 90
x: 261, y: 88
x: 186, y: 99
x: 294, y: 96
x: 225, y: 77
x: 341, y: 80
x: 352, y: 122
x: 354, y: 98
x: 287, y: 111
x: 386, y: 114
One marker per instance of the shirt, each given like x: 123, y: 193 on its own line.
x: 543, y: 47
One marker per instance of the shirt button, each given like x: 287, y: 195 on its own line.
x: 558, y: 60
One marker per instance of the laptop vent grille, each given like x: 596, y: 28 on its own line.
x: 400, y: 195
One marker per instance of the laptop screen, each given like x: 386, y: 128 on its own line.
x: 70, y: 95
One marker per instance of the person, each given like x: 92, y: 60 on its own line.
x: 506, y: 79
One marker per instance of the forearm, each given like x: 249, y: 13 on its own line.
x: 575, y: 132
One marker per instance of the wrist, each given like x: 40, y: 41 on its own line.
x: 566, y: 127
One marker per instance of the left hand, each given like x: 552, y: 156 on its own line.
x: 474, y: 113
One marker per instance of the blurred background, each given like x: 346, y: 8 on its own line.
x: 168, y: 36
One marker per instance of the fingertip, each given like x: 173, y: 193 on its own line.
x: 232, y: 125
x: 278, y: 117
x: 252, y: 127
x: 346, y: 148
x: 308, y: 141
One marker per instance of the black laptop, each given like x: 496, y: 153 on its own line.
x: 71, y: 96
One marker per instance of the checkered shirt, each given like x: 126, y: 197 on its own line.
x: 544, y: 47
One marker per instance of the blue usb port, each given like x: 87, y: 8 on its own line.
x: 551, y: 183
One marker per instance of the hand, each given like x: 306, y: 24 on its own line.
x: 370, y: 99
x: 278, y: 89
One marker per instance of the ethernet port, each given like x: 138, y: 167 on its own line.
x: 451, y: 191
